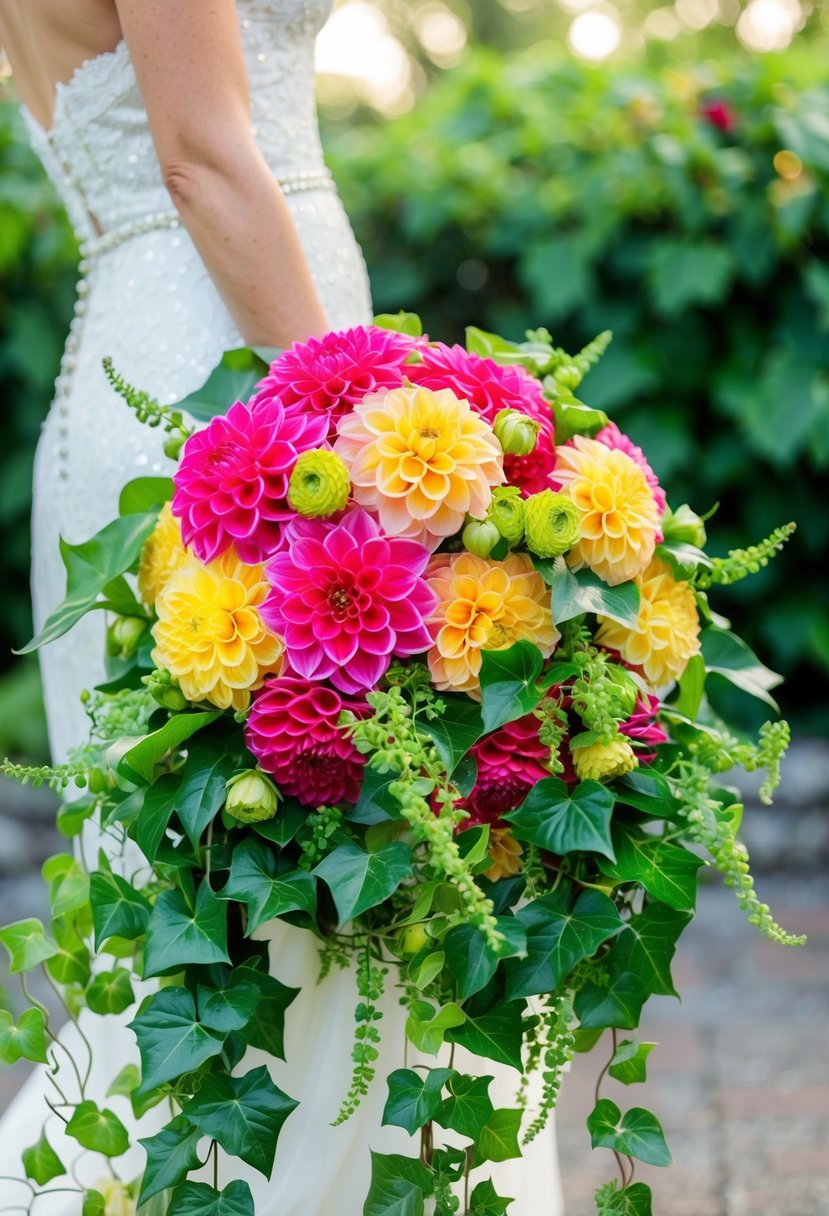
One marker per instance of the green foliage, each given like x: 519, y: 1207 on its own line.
x: 637, y: 1133
x: 243, y: 1114
x: 41, y: 1162
x: 198, y: 1199
x: 554, y: 818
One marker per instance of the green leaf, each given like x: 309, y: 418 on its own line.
x: 68, y: 884
x: 629, y: 1063
x: 508, y: 683
x: 558, y: 937
x: 470, y: 959
x: 375, y: 804
x: 159, y: 802
x: 89, y: 567
x: 485, y: 1201
x: 398, y: 1186
x: 41, y: 1162
x: 575, y: 594
x: 427, y: 1027
x: 728, y: 656
x: 425, y: 967
x: 94, y: 1204
x: 636, y: 1134
x: 28, y: 945
x: 118, y: 910
x: 691, y: 688
x: 574, y: 418
x: 140, y: 762
x: 617, y: 1004
x: 497, y: 1035
x: 468, y: 1108
x: 401, y: 322
x: 266, y: 1028
x: 171, y: 1040
x: 668, y: 872
x: 199, y: 1199
x: 561, y: 822
x: 413, y: 1100
x: 253, y: 881
x: 683, y: 272
x: 126, y: 1085
x: 204, y: 784
x: 454, y: 731
x: 178, y: 935
x: 110, y: 992
x: 244, y: 1114
x: 228, y: 1009
x: 233, y: 380
x: 98, y: 1130
x: 71, y: 964
x: 171, y: 1154
x: 359, y: 880
x: 648, y: 790
x: 632, y: 1200
x: 145, y: 494
x: 498, y: 1139
x: 26, y: 1040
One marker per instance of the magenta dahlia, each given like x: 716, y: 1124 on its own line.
x: 346, y: 598
x: 643, y: 728
x: 490, y: 388
x: 330, y: 375
x: 612, y: 437
x: 232, y: 483
x: 292, y: 730
x: 510, y: 760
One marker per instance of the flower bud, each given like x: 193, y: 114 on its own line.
x: 413, y: 939
x: 320, y: 484
x: 625, y: 690
x: 123, y: 636
x: 173, y: 446
x: 251, y: 797
x: 507, y: 513
x: 480, y: 536
x: 164, y: 689
x: 516, y: 433
x: 683, y: 526
x: 603, y: 761
x: 552, y: 523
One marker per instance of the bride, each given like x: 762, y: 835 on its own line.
x: 182, y: 137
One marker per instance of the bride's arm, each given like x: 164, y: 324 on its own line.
x: 188, y: 60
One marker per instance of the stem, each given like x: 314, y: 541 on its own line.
x: 208, y: 846
x: 619, y: 1160
x: 215, y: 1165
x: 81, y: 1034
x: 47, y: 1015
x: 467, y: 1169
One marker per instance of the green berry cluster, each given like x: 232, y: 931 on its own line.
x: 56, y: 776
x: 558, y: 1048
x: 602, y: 695
x: 323, y: 827
x: 740, y: 563
x: 371, y: 983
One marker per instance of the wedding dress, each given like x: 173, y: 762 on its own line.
x: 147, y: 301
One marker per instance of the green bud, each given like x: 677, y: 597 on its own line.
x: 568, y: 376
x: 516, y: 433
x: 123, y: 636
x: 251, y: 797
x: 320, y: 484
x: 412, y: 940
x: 173, y: 446
x: 507, y: 513
x: 480, y: 536
x: 625, y: 690
x: 164, y: 689
x: 683, y: 526
x: 552, y: 523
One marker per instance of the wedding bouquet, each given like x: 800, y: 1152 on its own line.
x: 415, y: 660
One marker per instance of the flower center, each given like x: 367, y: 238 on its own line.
x: 429, y: 432
x: 340, y: 599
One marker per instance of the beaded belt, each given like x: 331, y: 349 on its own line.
x: 292, y: 183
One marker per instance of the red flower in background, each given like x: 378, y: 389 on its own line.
x: 720, y: 113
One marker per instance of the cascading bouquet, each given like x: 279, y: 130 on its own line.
x: 416, y: 661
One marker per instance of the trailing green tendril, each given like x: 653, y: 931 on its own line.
x: 56, y: 776
x: 145, y: 407
x: 741, y: 562
x: 324, y: 826
x: 370, y: 987
x: 558, y: 1051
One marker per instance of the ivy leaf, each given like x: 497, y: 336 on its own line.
x: 636, y: 1134
x: 68, y: 884
x: 26, y: 1040
x: 118, y: 910
x: 485, y: 1201
x: 145, y: 494
x: 560, y: 821
x: 427, y: 1027
x: 629, y: 1064
x: 683, y: 272
x: 497, y: 1035
x: 228, y: 1009
x: 668, y: 872
x: 41, y: 1162
x: 244, y: 1114
x: 635, y: 1200
x: 171, y: 1040
x: 110, y: 992
x: 498, y: 1139
x: 413, y: 1100
x: 359, y: 880
x: 126, y: 1085
x: 398, y: 1186
x: 179, y: 936
x: 619, y: 1003
x: 282, y: 829
x: 203, y: 789
x: 157, y: 806
x: 94, y: 1204
x: 728, y: 656
x: 98, y: 1130
x: 468, y: 1108
x: 455, y: 730
x: 266, y: 1028
x: 139, y: 763
x: 576, y: 594
x: 199, y: 1199
x: 71, y: 964
x: 508, y: 683
x: 253, y: 881
x: 171, y: 1154
x: 28, y: 945
x: 89, y: 567
x: 691, y: 688
x: 648, y: 790
x: 233, y: 379
x: 559, y: 937
x: 375, y: 804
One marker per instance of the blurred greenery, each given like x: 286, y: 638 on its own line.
x: 529, y: 189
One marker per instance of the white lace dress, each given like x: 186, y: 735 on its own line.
x: 146, y: 300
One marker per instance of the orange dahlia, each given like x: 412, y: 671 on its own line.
x: 210, y: 635
x: 483, y: 605
x: 619, y: 516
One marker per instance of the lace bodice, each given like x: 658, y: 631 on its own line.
x: 99, y: 151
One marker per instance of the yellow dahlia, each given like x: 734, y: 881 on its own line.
x: 483, y: 605
x: 421, y: 459
x: 667, y: 630
x: 505, y: 853
x: 619, y: 516
x: 210, y: 635
x: 163, y: 552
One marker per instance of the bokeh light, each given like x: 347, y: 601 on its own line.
x: 769, y: 25
x: 594, y: 35
x: 357, y: 44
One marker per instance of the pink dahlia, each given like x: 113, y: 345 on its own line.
x: 232, y: 483
x: 329, y: 375
x: 346, y: 598
x: 612, y: 437
x: 292, y: 730
x: 510, y: 760
x: 643, y: 728
x: 490, y: 388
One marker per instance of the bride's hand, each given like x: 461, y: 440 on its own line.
x: 188, y: 60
